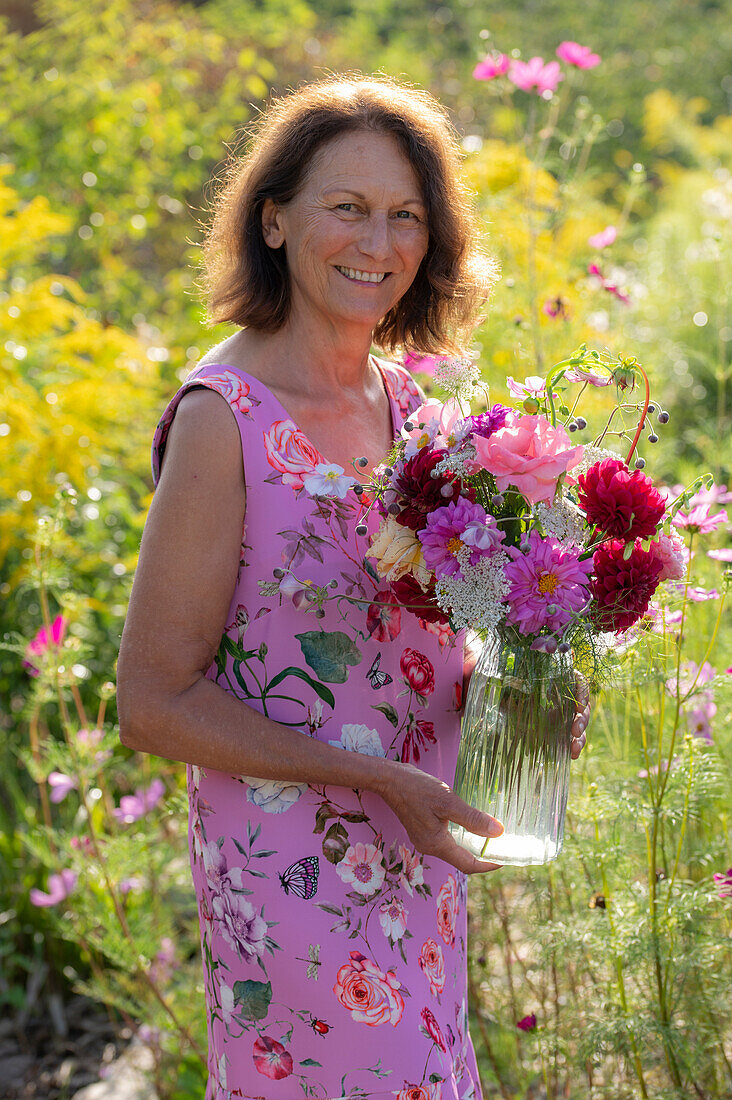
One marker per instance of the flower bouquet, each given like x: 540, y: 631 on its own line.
x: 505, y: 523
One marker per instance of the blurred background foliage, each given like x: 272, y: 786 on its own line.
x: 115, y: 117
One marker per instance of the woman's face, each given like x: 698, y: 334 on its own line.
x: 356, y: 232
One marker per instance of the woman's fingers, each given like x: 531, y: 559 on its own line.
x: 581, y: 717
x: 449, y: 850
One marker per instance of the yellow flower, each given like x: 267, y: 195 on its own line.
x: 397, y: 551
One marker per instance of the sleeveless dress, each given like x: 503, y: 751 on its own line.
x: 334, y: 954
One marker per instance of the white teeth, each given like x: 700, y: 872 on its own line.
x: 363, y: 276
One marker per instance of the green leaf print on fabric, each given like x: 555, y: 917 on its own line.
x: 325, y: 693
x: 335, y: 843
x: 328, y: 654
x: 253, y: 997
x: 389, y: 711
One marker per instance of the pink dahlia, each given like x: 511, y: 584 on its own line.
x: 623, y: 587
x: 623, y: 505
x: 549, y: 585
x: 459, y: 525
x: 528, y: 453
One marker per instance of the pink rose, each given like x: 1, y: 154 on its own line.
x: 231, y: 386
x: 271, y: 1059
x: 447, y: 910
x: 529, y: 453
x: 418, y: 671
x: 290, y: 452
x: 432, y: 964
x: 371, y: 996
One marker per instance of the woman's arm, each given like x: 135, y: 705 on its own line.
x: 189, y: 558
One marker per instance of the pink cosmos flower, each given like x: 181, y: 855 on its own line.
x: 421, y: 364
x: 362, y: 868
x: 725, y: 554
x: 724, y: 881
x: 59, y: 888
x: 581, y: 57
x: 604, y: 238
x: 549, y: 584
x: 556, y: 307
x: 611, y: 288
x: 697, y: 594
x: 527, y: 1023
x: 271, y: 1059
x: 587, y: 374
x: 534, y: 74
x: 412, y: 872
x: 662, y: 619
x: 165, y: 961
x: 533, y: 386
x: 134, y: 806
x: 460, y: 524
x: 43, y: 641
x: 131, y: 884
x: 529, y: 453
x: 393, y: 918
x: 492, y: 66
x: 699, y: 719
x: 715, y: 494
x: 60, y: 785
x: 698, y: 519
x: 370, y: 995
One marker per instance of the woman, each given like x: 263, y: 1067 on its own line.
x: 320, y: 736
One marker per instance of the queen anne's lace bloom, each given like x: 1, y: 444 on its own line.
x: 477, y: 599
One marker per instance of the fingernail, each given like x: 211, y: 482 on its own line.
x: 495, y: 829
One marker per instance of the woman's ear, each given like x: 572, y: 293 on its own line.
x: 272, y: 231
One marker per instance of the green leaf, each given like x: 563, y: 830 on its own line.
x: 389, y: 711
x: 320, y: 689
x: 253, y: 997
x: 328, y: 654
x: 309, y: 1062
x: 236, y: 650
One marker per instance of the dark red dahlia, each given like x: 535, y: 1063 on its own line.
x: 418, y: 493
x: 623, y: 588
x: 622, y: 504
x: 423, y: 604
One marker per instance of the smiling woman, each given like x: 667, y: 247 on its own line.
x: 332, y: 898
x: 249, y: 284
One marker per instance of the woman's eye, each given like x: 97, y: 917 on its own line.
x: 345, y: 205
x: 408, y: 213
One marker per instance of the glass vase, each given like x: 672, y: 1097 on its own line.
x: 514, y: 755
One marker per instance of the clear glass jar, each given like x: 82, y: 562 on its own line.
x: 514, y: 755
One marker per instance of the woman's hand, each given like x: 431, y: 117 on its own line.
x: 424, y: 805
x: 582, y: 714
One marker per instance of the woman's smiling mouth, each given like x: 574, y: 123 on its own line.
x: 355, y: 276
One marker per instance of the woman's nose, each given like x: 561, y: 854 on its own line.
x: 375, y: 237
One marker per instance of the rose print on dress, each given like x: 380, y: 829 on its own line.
x: 448, y: 907
x: 233, y: 388
x: 432, y: 1028
x: 371, y: 996
x: 268, y: 999
x: 290, y: 453
x: 432, y: 963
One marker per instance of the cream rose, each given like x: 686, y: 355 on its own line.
x: 397, y: 551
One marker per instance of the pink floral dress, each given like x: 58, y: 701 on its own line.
x: 333, y: 953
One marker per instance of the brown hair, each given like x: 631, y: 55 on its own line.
x: 248, y: 282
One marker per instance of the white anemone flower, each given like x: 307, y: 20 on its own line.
x: 328, y: 480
